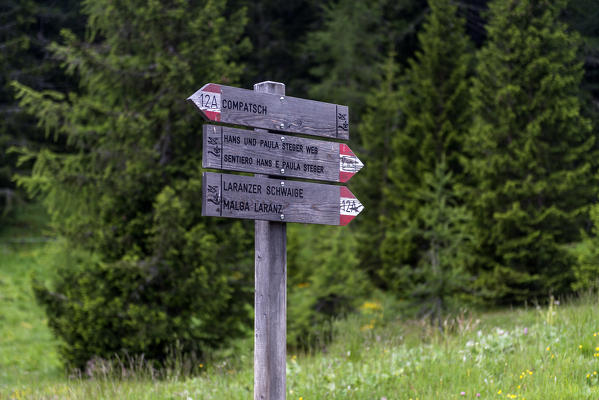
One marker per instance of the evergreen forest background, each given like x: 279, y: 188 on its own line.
x: 477, y: 122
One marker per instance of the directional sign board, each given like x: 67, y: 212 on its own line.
x: 244, y: 107
x: 250, y: 197
x: 281, y: 155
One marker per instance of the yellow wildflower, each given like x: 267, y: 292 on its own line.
x: 371, y: 305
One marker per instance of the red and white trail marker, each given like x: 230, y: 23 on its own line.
x: 207, y: 99
x: 349, y: 164
x: 277, y: 154
x: 251, y: 197
x: 267, y: 200
x: 231, y: 105
x: 349, y: 206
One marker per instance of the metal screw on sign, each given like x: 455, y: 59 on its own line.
x: 282, y: 216
x: 282, y: 183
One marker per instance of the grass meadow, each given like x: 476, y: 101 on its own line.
x: 549, y: 352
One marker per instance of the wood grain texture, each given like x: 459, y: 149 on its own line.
x: 248, y: 197
x: 272, y: 154
x: 270, y: 298
x: 272, y: 111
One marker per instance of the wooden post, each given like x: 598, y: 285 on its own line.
x: 270, y: 298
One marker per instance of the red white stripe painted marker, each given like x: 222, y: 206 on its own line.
x: 349, y: 164
x: 208, y: 100
x: 349, y: 206
x: 231, y: 105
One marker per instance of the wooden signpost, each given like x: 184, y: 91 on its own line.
x: 281, y: 155
x: 271, y: 111
x: 248, y: 197
x: 274, y: 202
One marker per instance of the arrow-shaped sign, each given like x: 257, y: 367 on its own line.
x: 244, y: 107
x: 280, y: 155
x: 249, y: 197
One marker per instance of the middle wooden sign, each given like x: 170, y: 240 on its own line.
x: 277, y: 154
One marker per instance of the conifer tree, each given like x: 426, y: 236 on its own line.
x: 531, y: 152
x: 441, y: 279
x: 348, y: 51
x: 325, y: 281
x: 586, y: 269
x: 379, y: 125
x: 27, y: 27
x: 434, y: 101
x: 128, y: 187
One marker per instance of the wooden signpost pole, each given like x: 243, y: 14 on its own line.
x: 273, y: 202
x: 270, y: 321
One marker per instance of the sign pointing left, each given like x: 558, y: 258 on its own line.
x: 220, y: 103
x: 207, y: 99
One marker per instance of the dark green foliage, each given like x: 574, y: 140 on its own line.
x: 122, y: 176
x: 184, y: 301
x: 380, y: 123
x: 531, y: 151
x: 441, y: 281
x: 324, y: 281
x: 26, y: 28
x: 582, y: 15
x: 128, y: 188
x: 277, y: 30
x: 586, y: 270
x: 348, y: 51
x: 434, y: 101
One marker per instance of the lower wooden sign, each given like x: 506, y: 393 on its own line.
x: 249, y: 197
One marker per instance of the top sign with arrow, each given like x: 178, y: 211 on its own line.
x: 244, y: 107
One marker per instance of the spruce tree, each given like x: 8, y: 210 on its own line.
x: 434, y: 102
x: 348, y: 51
x: 379, y: 125
x: 586, y: 269
x: 127, y: 189
x: 441, y: 280
x: 531, y: 156
x: 27, y: 27
x: 325, y: 281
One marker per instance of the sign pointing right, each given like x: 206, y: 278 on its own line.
x: 277, y: 154
x: 251, y: 197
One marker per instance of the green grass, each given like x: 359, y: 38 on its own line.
x: 27, y: 347
x: 529, y: 353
